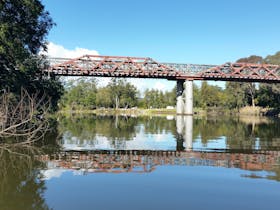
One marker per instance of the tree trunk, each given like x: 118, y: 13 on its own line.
x: 253, y: 101
x: 117, y: 102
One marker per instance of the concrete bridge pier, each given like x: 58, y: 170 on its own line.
x: 184, y: 103
x: 188, y: 97
x: 180, y: 100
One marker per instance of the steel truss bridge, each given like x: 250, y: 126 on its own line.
x: 137, y: 67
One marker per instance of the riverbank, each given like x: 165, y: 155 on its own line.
x: 212, y: 111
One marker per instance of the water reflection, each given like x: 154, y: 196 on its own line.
x: 159, y: 133
x: 128, y: 144
x: 21, y: 186
x: 108, y: 148
x: 147, y: 161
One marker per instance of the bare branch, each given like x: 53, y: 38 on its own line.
x: 23, y: 119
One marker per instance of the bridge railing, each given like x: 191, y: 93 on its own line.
x: 190, y: 69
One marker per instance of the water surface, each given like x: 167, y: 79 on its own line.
x: 124, y: 162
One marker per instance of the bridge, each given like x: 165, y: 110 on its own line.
x: 184, y: 74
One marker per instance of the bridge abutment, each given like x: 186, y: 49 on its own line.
x: 184, y: 103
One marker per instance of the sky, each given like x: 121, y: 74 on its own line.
x: 183, y: 31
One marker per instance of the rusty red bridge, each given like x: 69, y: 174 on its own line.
x: 184, y: 74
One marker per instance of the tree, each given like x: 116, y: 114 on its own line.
x: 251, y: 59
x: 103, y: 97
x: 235, y: 95
x: 269, y: 94
x: 196, y: 96
x: 81, y: 94
x: 170, y: 97
x: 210, y: 95
x: 123, y: 94
x: 273, y: 59
x: 129, y: 96
x: 250, y: 88
x: 24, y: 26
x: 115, y: 87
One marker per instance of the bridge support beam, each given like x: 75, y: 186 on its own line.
x: 188, y: 97
x: 180, y: 101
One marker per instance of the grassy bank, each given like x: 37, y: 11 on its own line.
x: 212, y: 111
x: 136, y: 112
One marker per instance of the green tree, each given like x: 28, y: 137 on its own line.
x: 170, y: 97
x: 80, y: 94
x: 250, y: 88
x: 273, y: 59
x: 235, y: 95
x: 197, y: 102
x: 211, y: 96
x: 251, y: 59
x: 103, y: 97
x: 24, y: 25
x: 129, y: 97
x: 122, y: 93
x: 269, y: 94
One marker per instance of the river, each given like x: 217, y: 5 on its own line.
x: 127, y: 162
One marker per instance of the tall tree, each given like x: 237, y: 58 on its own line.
x: 123, y: 94
x: 80, y: 94
x: 24, y: 26
x: 210, y: 95
x: 235, y: 95
x: 269, y: 94
x: 250, y: 88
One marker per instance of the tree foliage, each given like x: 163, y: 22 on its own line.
x: 159, y: 99
x: 24, y: 25
x: 84, y: 94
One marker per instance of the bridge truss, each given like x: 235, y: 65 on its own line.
x: 138, y: 67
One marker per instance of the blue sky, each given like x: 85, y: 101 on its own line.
x: 185, y: 31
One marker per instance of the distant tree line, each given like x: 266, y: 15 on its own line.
x: 85, y: 94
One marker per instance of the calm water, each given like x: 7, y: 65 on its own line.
x: 98, y: 162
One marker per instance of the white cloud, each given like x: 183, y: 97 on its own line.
x: 55, y: 50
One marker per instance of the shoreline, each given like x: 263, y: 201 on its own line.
x: 245, y: 111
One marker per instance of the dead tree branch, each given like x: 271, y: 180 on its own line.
x: 23, y: 118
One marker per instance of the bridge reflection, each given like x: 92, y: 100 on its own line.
x: 138, y: 161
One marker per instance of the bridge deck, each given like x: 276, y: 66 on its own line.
x: 116, y: 66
